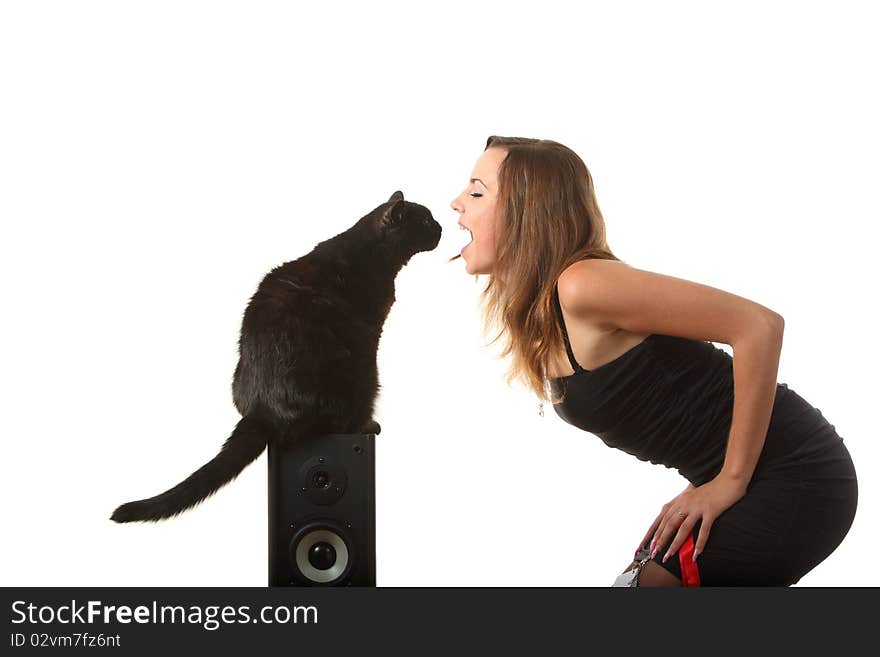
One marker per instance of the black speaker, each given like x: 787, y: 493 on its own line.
x: 322, y: 511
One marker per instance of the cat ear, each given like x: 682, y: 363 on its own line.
x: 394, y: 211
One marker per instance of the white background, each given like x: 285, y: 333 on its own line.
x: 157, y: 159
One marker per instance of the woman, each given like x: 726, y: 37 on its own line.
x: 627, y: 355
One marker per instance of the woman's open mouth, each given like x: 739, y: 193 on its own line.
x: 469, y: 237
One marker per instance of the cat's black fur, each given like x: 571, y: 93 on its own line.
x: 308, y: 346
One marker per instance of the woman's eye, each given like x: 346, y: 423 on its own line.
x: 476, y: 194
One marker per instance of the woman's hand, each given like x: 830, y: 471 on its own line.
x: 680, y: 515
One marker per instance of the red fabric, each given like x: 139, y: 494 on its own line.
x: 690, y: 574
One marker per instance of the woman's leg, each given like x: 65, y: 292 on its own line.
x: 653, y: 574
x: 743, y: 543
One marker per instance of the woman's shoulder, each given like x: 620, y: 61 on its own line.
x: 582, y: 278
x: 591, y: 262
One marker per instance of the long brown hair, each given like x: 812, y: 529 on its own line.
x: 548, y: 219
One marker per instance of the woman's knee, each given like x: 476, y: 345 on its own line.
x: 653, y: 574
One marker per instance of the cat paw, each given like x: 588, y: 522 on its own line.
x: 372, y: 427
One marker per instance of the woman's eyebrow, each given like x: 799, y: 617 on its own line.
x: 480, y: 181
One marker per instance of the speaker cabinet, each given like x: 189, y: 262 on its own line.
x: 322, y: 511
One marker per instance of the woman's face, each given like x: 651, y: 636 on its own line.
x: 476, y: 205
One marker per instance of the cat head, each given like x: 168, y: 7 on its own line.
x: 403, y: 228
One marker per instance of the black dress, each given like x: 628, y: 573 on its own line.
x: 669, y: 400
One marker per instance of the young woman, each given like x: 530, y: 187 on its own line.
x: 627, y: 355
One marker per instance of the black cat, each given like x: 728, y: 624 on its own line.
x: 308, y: 345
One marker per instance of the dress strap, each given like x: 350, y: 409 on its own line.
x: 571, y: 359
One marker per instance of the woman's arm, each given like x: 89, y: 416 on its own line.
x: 755, y: 365
x: 615, y: 294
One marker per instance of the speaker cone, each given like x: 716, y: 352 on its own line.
x: 320, y: 553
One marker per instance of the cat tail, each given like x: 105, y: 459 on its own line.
x: 250, y: 437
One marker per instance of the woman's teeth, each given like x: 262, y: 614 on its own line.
x: 465, y: 240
